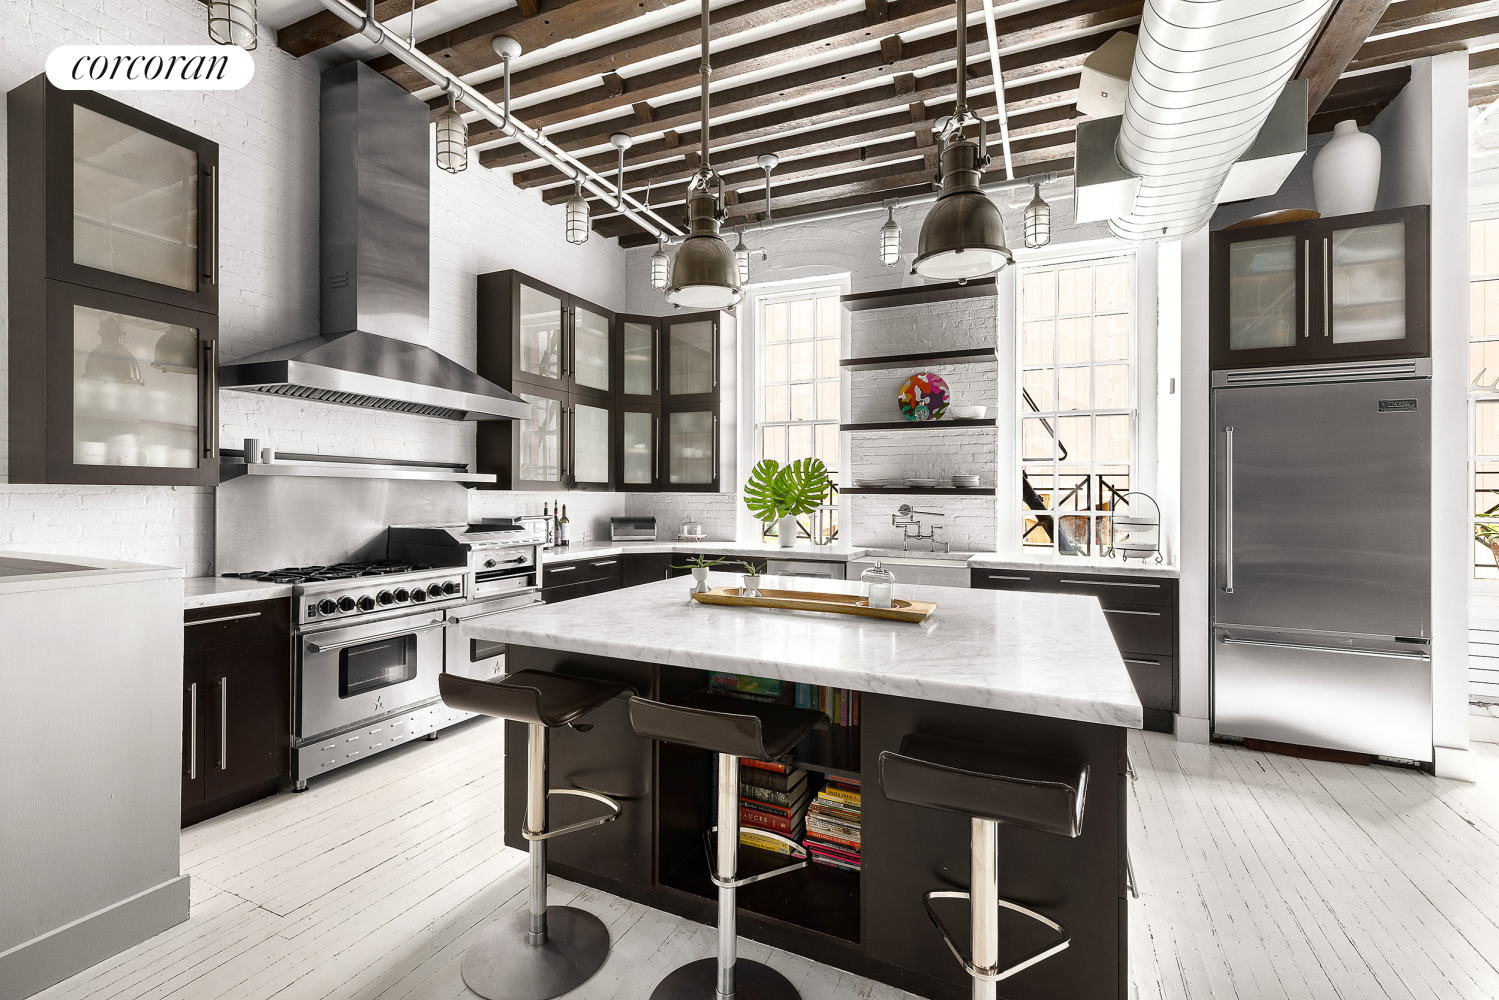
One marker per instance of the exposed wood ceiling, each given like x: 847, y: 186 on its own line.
x: 845, y: 92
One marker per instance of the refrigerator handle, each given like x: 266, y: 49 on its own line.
x: 1230, y: 641
x: 1228, y: 510
x: 1306, y: 286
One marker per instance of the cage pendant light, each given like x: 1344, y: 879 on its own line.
x: 704, y: 274
x: 233, y: 22
x: 742, y: 258
x: 577, y: 214
x: 890, y: 240
x: 1037, y: 221
x: 660, y: 268
x: 452, y: 137
x: 963, y: 235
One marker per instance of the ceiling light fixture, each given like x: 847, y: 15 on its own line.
x: 660, y: 268
x: 507, y: 49
x: 963, y: 236
x: 233, y: 22
x: 621, y: 142
x: 577, y: 214
x: 890, y: 239
x: 767, y: 163
x: 741, y: 258
x: 1037, y: 221
x: 452, y: 137
x: 704, y: 274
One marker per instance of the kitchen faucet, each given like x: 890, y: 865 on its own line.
x: 904, y: 518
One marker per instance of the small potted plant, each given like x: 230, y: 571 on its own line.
x: 700, y: 566
x: 751, y: 586
x: 776, y: 494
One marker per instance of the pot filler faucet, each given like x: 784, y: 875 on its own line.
x: 904, y: 518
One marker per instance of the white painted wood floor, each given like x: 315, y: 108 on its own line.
x: 1261, y: 877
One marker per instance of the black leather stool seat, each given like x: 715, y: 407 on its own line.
x: 535, y: 697
x: 1022, y: 789
x: 734, y: 726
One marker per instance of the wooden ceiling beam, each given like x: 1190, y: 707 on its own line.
x: 1344, y: 30
x: 1419, y: 44
x: 1410, y: 15
x: 1033, y: 27
x: 317, y: 31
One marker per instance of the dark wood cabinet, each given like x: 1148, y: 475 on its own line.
x: 565, y: 581
x: 637, y: 447
x: 113, y: 289
x: 1141, y: 612
x: 1348, y: 288
x: 648, y: 567
x: 236, y: 706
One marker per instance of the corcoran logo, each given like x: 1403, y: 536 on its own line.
x: 149, y: 67
x: 1396, y: 405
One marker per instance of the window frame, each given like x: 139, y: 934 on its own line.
x: 1141, y: 479
x: 1473, y: 396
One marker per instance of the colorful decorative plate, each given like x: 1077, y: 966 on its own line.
x: 924, y: 397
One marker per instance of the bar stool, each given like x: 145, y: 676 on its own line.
x: 538, y: 953
x: 731, y: 728
x: 990, y: 786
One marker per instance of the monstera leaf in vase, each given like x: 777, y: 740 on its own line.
x: 774, y: 492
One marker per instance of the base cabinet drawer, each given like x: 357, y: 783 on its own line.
x: 582, y: 571
x: 1140, y: 627
x: 1154, y: 679
x: 1115, y: 589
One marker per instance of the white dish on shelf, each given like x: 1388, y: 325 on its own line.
x: 967, y: 412
x: 921, y: 483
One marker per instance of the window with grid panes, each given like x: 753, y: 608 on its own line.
x: 1077, y: 447
x: 1483, y: 393
x: 799, y: 384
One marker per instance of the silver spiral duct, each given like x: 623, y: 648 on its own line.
x: 1206, y: 75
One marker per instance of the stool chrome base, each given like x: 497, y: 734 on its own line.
x: 500, y: 965
x: 699, y: 981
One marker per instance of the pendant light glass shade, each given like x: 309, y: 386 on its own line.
x: 704, y: 274
x: 452, y: 138
x: 112, y: 361
x: 177, y: 351
x: 963, y: 236
x: 233, y: 22
x: 577, y: 215
x: 890, y: 241
x: 741, y: 258
x: 660, y: 268
x: 1037, y: 221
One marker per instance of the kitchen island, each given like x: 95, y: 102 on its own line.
x: 1037, y: 672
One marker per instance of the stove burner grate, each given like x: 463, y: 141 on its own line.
x: 338, y: 571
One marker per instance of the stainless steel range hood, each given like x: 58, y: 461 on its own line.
x: 375, y: 221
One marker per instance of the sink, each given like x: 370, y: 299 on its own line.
x: 12, y: 566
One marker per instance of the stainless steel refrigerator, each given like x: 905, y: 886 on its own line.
x: 1322, y: 556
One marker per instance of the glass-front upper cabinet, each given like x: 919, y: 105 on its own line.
x: 592, y: 349
x: 637, y: 455
x: 540, y: 334
x: 637, y: 359
x: 690, y: 358
x: 113, y: 198
x: 1348, y: 288
x: 691, y: 447
x: 529, y: 453
x: 590, y: 444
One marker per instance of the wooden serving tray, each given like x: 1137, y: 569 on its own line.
x: 838, y: 604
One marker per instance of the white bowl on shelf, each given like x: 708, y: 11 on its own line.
x: 967, y: 412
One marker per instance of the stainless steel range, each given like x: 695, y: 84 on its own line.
x: 369, y: 646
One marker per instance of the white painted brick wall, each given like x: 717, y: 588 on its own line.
x: 268, y: 140
x: 590, y: 512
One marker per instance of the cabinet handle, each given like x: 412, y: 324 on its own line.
x: 655, y: 359
x: 192, y: 739
x: 607, y: 562
x: 211, y: 405
x: 1146, y: 663
x: 1326, y: 292
x: 561, y: 569
x: 1306, y: 289
x: 1113, y: 583
x: 715, y: 422
x: 997, y: 576
x: 1121, y: 611
x: 223, y: 723
x: 1228, y: 510
x: 226, y: 618
x: 655, y: 450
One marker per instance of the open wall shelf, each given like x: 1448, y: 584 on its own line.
x: 935, y: 491
x: 922, y: 358
x: 922, y: 425
x: 918, y: 294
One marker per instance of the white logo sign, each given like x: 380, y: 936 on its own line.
x: 149, y: 67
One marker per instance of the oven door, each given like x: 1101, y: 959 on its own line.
x: 362, y: 672
x: 478, y: 658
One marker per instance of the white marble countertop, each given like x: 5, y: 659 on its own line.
x: 28, y: 572
x: 1074, y: 564
x: 1039, y: 654
x: 599, y: 549
x: 212, y: 591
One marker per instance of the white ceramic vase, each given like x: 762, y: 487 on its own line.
x: 700, y: 580
x: 1345, y: 175
x: 750, y: 586
x: 786, y: 531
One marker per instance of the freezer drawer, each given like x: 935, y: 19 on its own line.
x: 1361, y: 694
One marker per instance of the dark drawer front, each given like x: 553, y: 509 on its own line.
x: 572, y: 591
x: 1141, y: 628
x: 1122, y: 589
x: 227, y: 624
x: 1154, y: 678
x: 581, y: 571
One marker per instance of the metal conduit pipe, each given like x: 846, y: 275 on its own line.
x: 364, y: 22
x: 1206, y: 75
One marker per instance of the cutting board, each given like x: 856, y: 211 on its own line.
x: 837, y: 604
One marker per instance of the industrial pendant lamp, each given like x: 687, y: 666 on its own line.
x: 1037, y: 221
x: 963, y: 235
x: 741, y: 258
x: 233, y: 22
x: 452, y: 137
x: 890, y: 240
x: 660, y: 268
x: 577, y: 214
x: 704, y: 274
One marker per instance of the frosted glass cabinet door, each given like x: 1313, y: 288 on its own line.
x: 692, y: 358
x: 1262, y: 294
x: 540, y: 335
x: 1368, y: 283
x: 638, y: 359
x: 691, y: 448
x: 590, y: 351
x: 539, y: 458
x: 590, y: 446
x: 637, y: 448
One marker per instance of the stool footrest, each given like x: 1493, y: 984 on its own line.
x: 798, y: 849
x: 575, y: 827
x: 995, y: 974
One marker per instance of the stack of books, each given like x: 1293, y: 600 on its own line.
x: 833, y: 825
x: 840, y: 704
x: 763, y: 689
x: 772, y: 797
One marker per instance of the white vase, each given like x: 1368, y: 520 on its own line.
x: 786, y: 531
x: 750, y: 587
x: 1345, y: 175
x: 700, y: 580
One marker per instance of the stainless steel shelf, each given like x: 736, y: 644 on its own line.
x: 349, y: 470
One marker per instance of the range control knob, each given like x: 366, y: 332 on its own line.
x: 418, y: 595
x: 434, y: 590
x: 402, y: 595
x: 490, y: 564
x: 451, y: 587
x: 326, y: 606
x: 386, y: 598
x: 366, y: 603
x: 346, y: 604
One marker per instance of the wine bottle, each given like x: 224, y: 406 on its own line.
x: 563, y: 530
